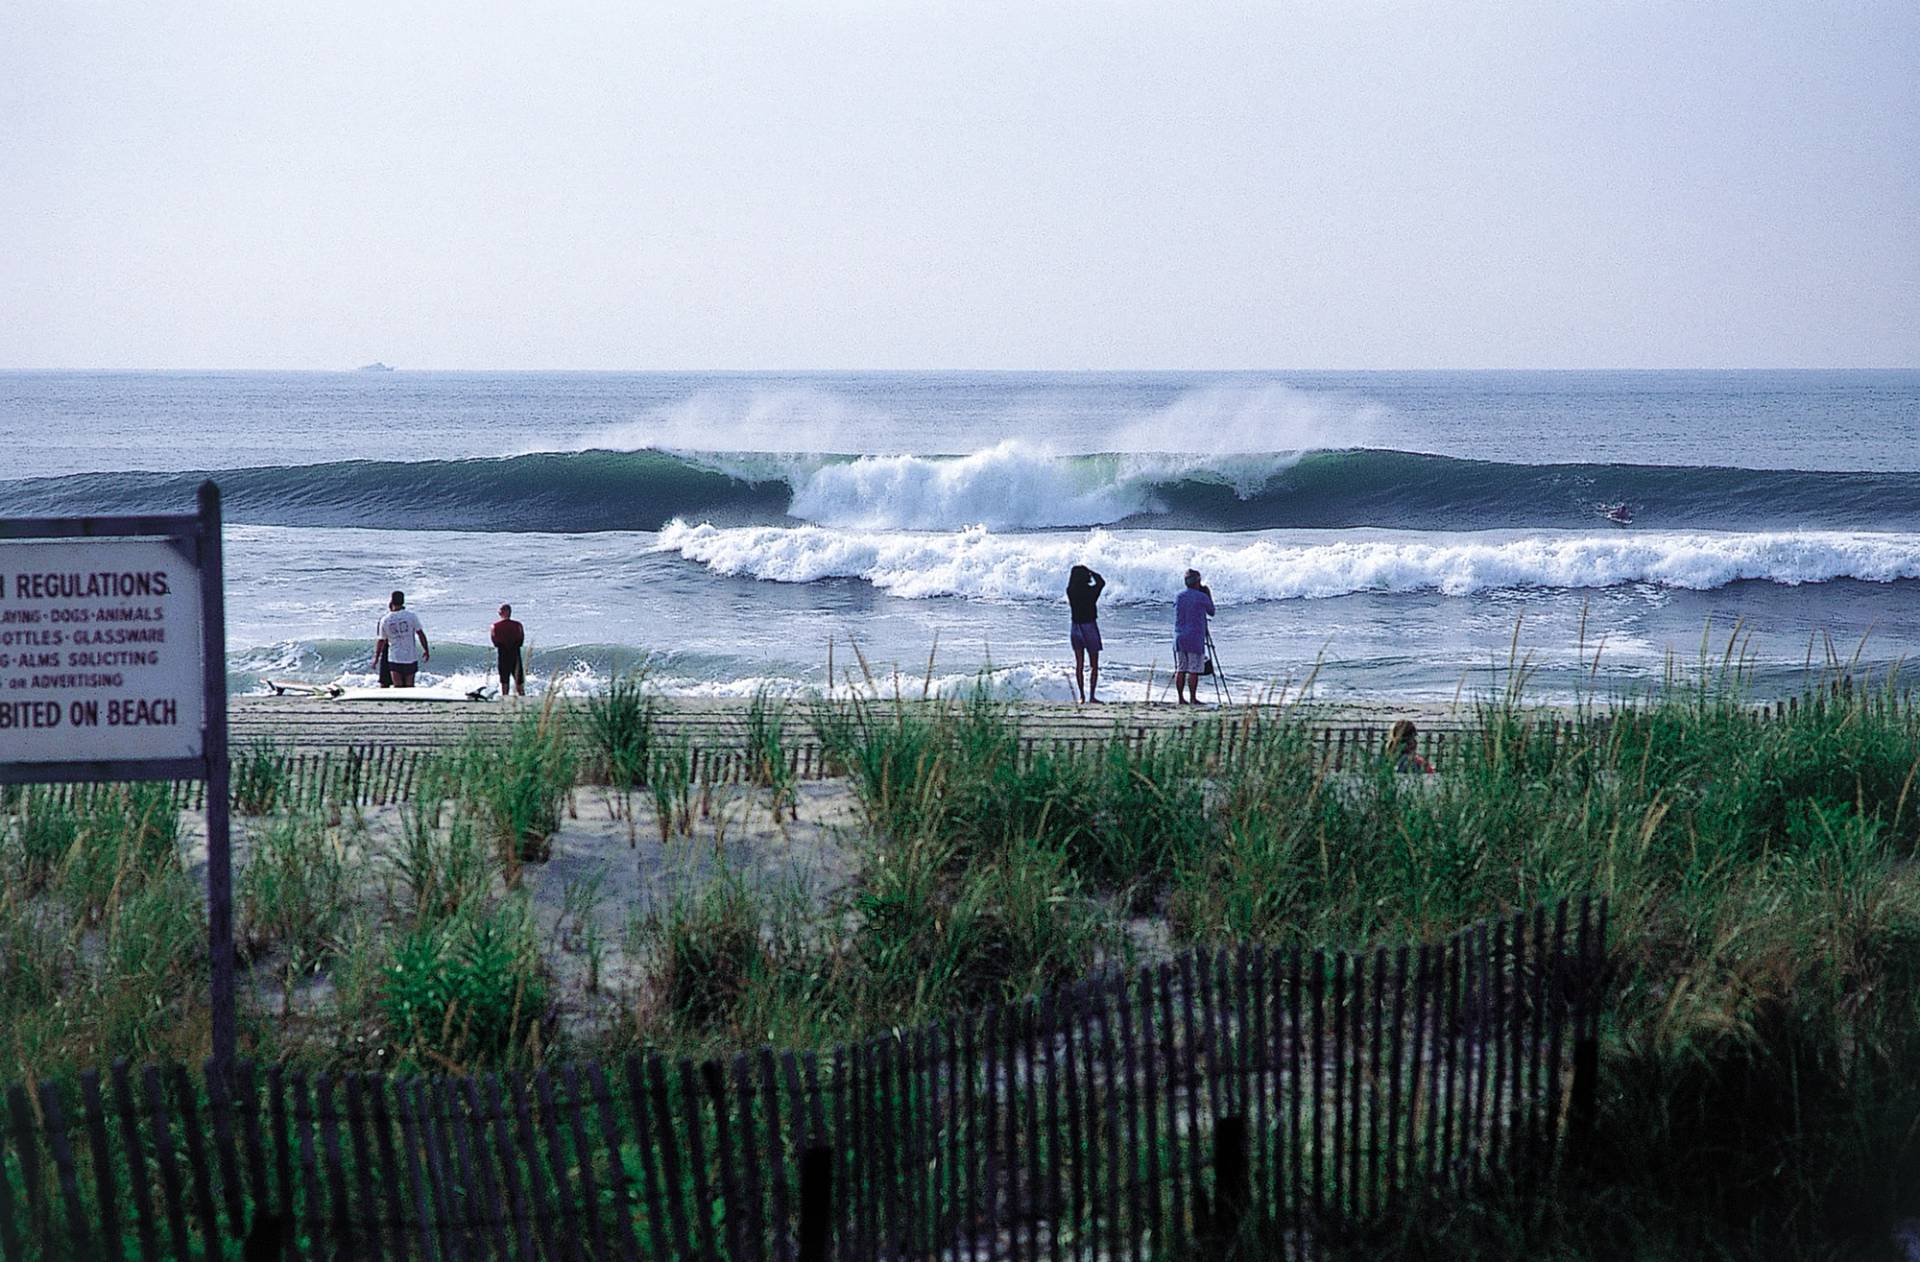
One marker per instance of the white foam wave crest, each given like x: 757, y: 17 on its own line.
x: 1010, y: 486
x: 1144, y: 567
x: 853, y: 466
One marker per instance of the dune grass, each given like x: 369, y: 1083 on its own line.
x: 516, y: 787
x: 1761, y: 1072
x: 102, y: 934
x: 1764, y: 1035
x: 619, y: 730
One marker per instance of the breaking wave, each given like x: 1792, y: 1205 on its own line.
x: 1146, y: 567
x: 1010, y: 486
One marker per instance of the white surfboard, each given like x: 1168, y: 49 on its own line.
x: 341, y: 692
x: 301, y: 688
x: 412, y: 694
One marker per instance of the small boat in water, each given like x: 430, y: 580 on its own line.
x: 375, y: 366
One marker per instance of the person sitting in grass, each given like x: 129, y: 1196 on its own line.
x: 1403, y: 746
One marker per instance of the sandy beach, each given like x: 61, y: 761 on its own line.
x: 606, y: 870
x: 611, y: 863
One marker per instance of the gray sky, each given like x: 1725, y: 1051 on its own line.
x: 1027, y: 185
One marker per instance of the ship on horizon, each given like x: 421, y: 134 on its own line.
x: 375, y: 366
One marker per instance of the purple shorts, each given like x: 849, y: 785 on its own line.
x: 1086, y: 635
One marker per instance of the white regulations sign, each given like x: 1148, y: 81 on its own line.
x: 100, y: 651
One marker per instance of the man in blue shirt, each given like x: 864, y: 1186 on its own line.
x: 1191, y: 609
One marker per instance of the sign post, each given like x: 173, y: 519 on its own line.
x: 113, y: 667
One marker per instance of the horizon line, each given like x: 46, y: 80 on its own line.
x: 957, y: 371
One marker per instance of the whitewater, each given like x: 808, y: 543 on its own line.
x: 1386, y: 533
x: 1146, y: 568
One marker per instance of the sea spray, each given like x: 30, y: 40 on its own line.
x: 1217, y: 418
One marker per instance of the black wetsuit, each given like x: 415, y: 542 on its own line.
x: 509, y: 638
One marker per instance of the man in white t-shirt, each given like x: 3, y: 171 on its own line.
x: 402, y: 644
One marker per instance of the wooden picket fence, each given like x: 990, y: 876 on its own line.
x: 1150, y: 1114
x: 373, y: 775
x: 384, y: 775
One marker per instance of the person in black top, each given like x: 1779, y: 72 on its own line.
x: 510, y: 641
x: 1083, y: 595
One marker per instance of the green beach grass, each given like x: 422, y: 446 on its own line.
x: 1761, y: 1056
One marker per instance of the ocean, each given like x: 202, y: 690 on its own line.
x: 1385, y: 534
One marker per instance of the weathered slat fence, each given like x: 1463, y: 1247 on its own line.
x: 1146, y: 1114
x: 371, y: 775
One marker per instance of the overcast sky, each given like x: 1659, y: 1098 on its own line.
x: 974, y: 185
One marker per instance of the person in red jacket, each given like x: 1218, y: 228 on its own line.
x: 509, y: 638
x: 1403, y: 746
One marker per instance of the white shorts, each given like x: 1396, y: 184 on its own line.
x: 1191, y: 663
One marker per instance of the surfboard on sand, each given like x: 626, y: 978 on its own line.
x: 340, y: 692
x: 413, y: 694
x: 301, y: 688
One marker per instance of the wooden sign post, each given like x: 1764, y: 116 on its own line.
x: 113, y: 667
